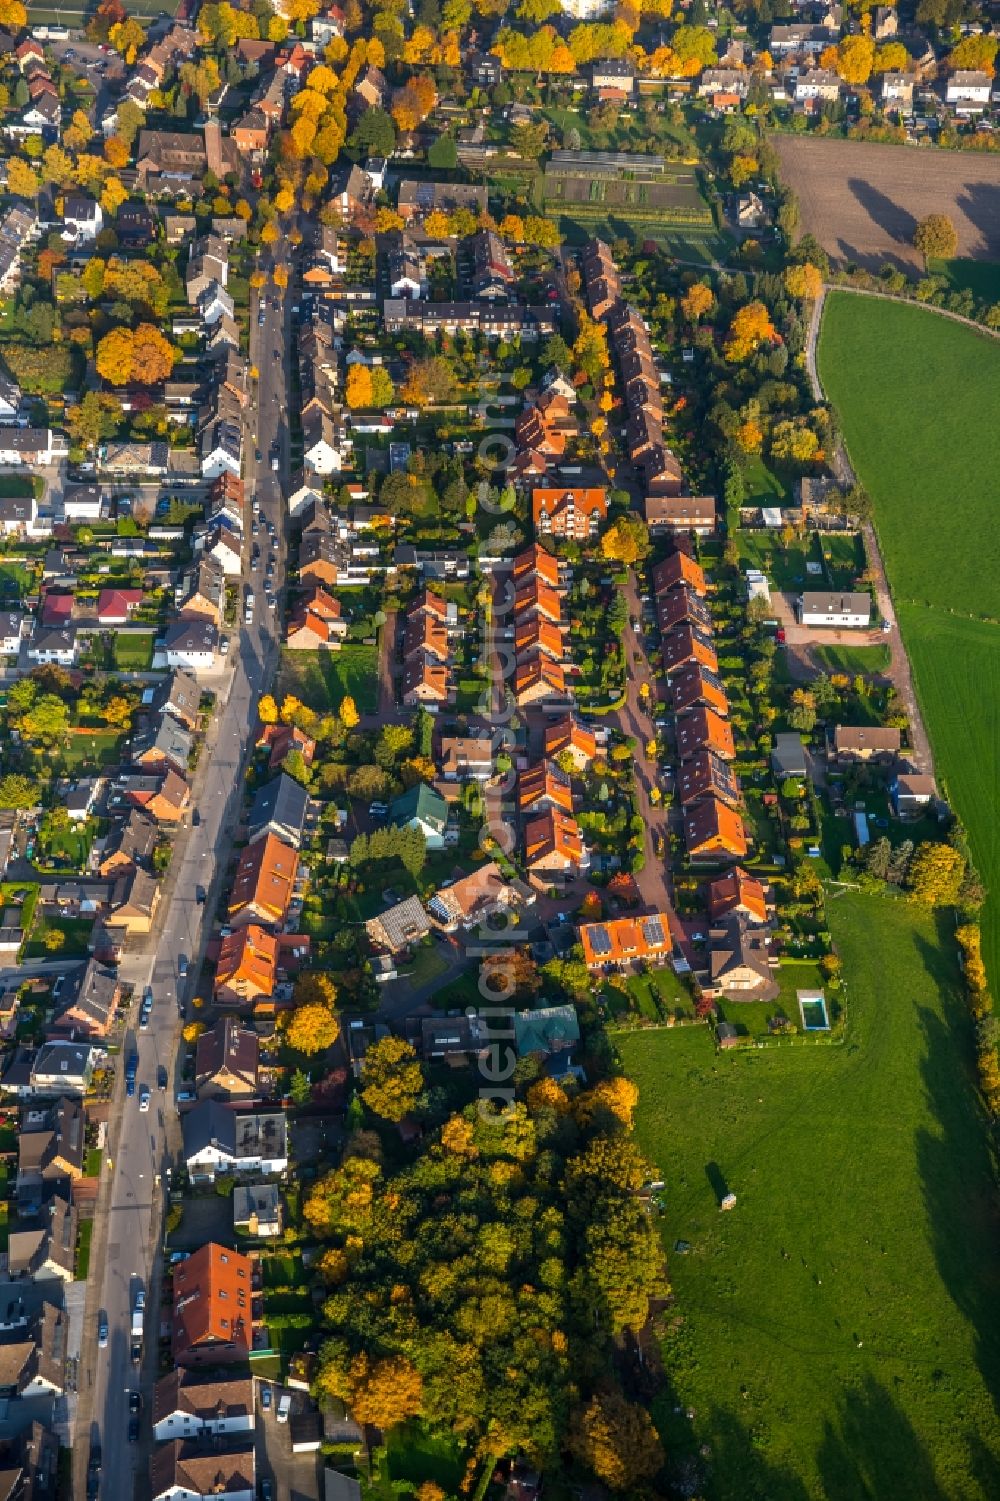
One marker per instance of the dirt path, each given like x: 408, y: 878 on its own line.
x: 899, y: 672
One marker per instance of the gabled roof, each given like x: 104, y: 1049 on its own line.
x: 677, y: 569
x: 703, y: 729
x: 227, y: 1048
x: 712, y: 827
x: 544, y: 782
x: 247, y: 961
x: 265, y: 879
x: 279, y: 805
x: 737, y: 891
x: 553, y: 833
x: 570, y: 734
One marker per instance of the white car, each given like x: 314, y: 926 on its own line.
x: 144, y: 1098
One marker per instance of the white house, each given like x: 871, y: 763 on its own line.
x: 11, y: 631
x: 845, y: 611
x: 83, y: 503
x: 587, y: 10
x: 10, y: 398
x: 185, y: 1405
x: 218, y: 1140
x: 817, y: 83
x: 18, y: 514
x: 54, y: 647
x: 191, y: 645
x: 215, y: 303
x: 304, y: 494
x: 63, y: 1068
x: 897, y: 92
x: 33, y: 446
x: 193, y: 1471
x: 225, y: 547
x: 320, y: 446
x: 968, y: 91
x: 83, y: 219
x: 221, y: 449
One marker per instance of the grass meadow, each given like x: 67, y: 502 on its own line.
x: 929, y: 453
x: 834, y: 1335
x: 322, y: 679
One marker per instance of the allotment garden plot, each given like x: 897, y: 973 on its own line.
x: 641, y: 188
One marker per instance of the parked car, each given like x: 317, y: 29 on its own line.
x: 144, y: 1098
x: 102, y: 1331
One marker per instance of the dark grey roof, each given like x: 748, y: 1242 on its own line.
x: 280, y: 804
x: 209, y: 1124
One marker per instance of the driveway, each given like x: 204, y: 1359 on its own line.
x: 296, y: 1477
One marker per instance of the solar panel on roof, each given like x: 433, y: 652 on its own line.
x: 599, y: 941
x: 653, y: 929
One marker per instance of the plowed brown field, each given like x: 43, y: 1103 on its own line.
x: 863, y: 201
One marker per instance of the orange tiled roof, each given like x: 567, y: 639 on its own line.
x: 626, y: 939
x: 693, y: 685
x: 536, y: 596
x: 679, y: 569
x: 737, y: 891
x: 702, y: 729
x: 554, y: 833
x: 710, y: 827
x: 536, y: 676
x: 687, y: 644
x: 536, y: 562
x: 247, y: 962
x: 570, y: 734
x: 569, y: 513
x: 541, y: 782
x: 212, y: 1300
x: 536, y: 634
x: 265, y: 877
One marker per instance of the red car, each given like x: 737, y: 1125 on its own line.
x: 779, y: 635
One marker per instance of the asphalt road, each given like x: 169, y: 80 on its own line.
x: 127, y: 1234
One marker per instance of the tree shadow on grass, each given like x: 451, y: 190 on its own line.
x: 868, y: 1450
x: 960, y: 1193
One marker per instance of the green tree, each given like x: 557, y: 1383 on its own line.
x: 17, y: 791
x: 300, y: 1088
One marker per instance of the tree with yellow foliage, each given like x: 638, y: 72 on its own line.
x: 751, y: 327
x: 280, y: 277
x: 387, y: 219
x: 457, y: 1137
x: 128, y: 38
x: 511, y: 228
x: 311, y: 1028
x: 391, y: 1078
x: 617, y: 1441
x: 546, y: 1094
x: 258, y: 280
x: 22, y: 179
x: 348, y: 713
x: 384, y: 1392
x: 113, y: 195
x: 697, y: 301
x: 616, y: 1097
x: 803, y: 281
x: 891, y: 58
x: 193, y: 1031
x: 935, y: 875
x: 270, y: 233
x: 852, y: 58
x: 78, y: 132
x: 750, y: 436
x: 626, y: 541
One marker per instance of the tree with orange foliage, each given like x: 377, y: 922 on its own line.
x: 358, y: 391
x: 697, y: 300
x: 751, y: 327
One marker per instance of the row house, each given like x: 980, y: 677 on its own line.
x: 576, y: 513
x: 708, y: 790
x: 428, y: 675
x: 494, y: 321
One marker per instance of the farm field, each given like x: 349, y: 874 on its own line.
x: 863, y: 200
x: 929, y: 458
x: 322, y: 679
x: 830, y: 1329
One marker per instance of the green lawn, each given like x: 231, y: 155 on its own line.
x: 76, y: 933
x: 851, y: 659
x: 764, y: 487
x: 95, y: 749
x: 981, y: 278
x: 83, y: 1250
x: 835, y: 1334
x: 919, y: 402
x: 322, y: 679
x: 134, y: 653
x: 929, y: 457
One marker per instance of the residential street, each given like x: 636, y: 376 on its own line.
x: 128, y: 1222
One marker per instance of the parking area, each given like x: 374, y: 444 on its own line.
x: 293, y: 1477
